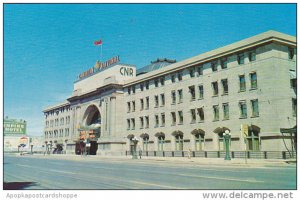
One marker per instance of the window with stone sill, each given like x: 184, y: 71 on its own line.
x: 193, y: 116
x: 156, y: 121
x: 214, y: 66
x: 255, y: 110
x: 180, y: 96
x: 200, y: 70
x: 216, y: 112
x: 224, y: 63
x: 156, y: 101
x: 242, y: 83
x: 243, y: 109
x: 253, y: 79
x: 252, y: 56
x: 173, y: 116
x: 201, y: 114
x: 225, y: 111
x: 240, y: 58
x: 215, y: 88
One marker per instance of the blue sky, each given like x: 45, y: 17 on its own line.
x: 47, y: 45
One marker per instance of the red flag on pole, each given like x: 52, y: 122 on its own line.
x: 98, y: 42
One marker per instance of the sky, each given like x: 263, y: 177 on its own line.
x: 46, y: 46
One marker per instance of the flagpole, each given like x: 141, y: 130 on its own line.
x: 101, y: 53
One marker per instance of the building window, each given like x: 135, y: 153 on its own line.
x: 180, y: 115
x: 180, y: 96
x: 293, y: 82
x: 192, y: 92
x: 179, y: 142
x: 156, y: 101
x: 163, y: 119
x: 225, y: 111
x: 162, y: 81
x: 173, y: 94
x: 252, y: 56
x: 67, y: 132
x: 291, y: 53
x: 147, y: 121
x: 240, y: 59
x: 142, y: 86
x: 215, y: 88
x: 142, y: 104
x: 128, y: 106
x: 201, y: 114
x: 161, y: 142
x: 128, y: 124
x: 193, y: 116
x: 242, y: 83
x: 192, y: 72
x: 156, y: 82
x: 147, y: 103
x: 141, y: 122
x: 145, y: 143
x: 254, y: 105
x: 199, y: 142
x: 173, y: 78
x: 216, y: 112
x: 243, y: 109
x: 147, y: 85
x: 173, y: 115
x: 253, y: 78
x: 253, y: 141
x: 224, y: 63
x: 162, y: 98
x: 133, y: 123
x: 214, y: 66
x: 294, y: 106
x: 179, y: 76
x: 201, y: 91
x: 156, y: 121
x: 225, y: 86
x: 133, y: 106
x: 200, y: 70
x: 221, y: 142
x: 133, y: 89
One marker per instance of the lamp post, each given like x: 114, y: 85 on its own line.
x: 227, y: 137
x: 135, y: 141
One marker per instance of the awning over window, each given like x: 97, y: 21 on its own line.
x: 198, y: 132
x: 159, y: 134
x: 175, y: 133
x: 221, y: 130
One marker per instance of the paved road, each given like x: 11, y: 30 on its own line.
x: 31, y: 172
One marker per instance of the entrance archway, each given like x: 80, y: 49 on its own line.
x: 90, y: 131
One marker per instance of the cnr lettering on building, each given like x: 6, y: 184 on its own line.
x: 126, y: 71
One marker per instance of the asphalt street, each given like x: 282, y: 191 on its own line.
x: 33, y: 172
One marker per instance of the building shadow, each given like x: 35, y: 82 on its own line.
x: 17, y: 185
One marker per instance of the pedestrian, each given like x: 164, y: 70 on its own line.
x: 189, y: 153
x: 140, y: 153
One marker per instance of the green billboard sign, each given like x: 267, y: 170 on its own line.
x: 11, y: 126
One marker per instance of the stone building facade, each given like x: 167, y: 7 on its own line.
x: 248, y: 86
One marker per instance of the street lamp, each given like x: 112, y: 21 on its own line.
x: 227, y: 136
x: 135, y: 141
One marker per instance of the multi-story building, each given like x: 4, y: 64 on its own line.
x: 248, y: 86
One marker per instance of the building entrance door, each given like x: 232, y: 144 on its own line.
x: 93, y: 148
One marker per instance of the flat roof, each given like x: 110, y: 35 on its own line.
x: 269, y: 36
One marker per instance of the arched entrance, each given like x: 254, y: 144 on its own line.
x: 90, y: 131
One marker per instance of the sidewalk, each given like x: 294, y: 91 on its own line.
x: 176, y: 160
